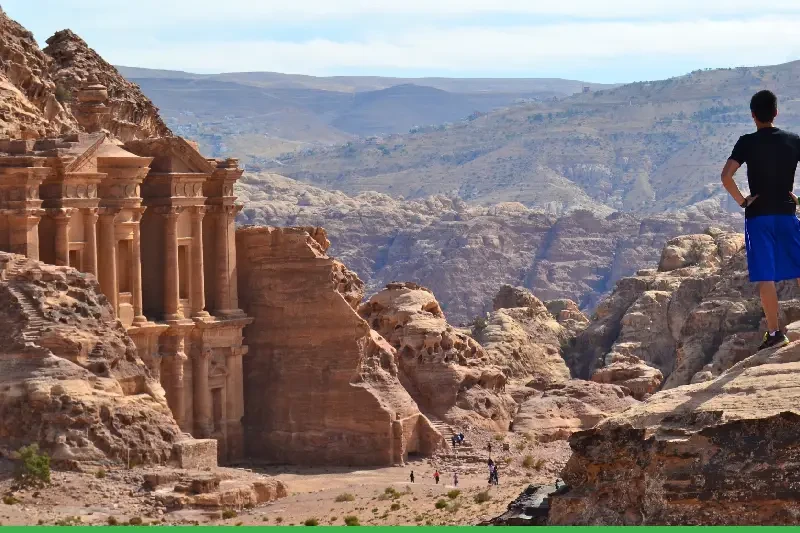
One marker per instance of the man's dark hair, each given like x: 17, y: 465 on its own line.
x: 764, y: 106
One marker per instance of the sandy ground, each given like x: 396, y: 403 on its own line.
x: 376, y: 496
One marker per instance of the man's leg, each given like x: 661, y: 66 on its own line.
x: 769, y: 301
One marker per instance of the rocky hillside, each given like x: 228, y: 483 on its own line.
x: 689, y: 320
x: 642, y: 147
x: 38, y: 87
x: 713, y: 453
x: 464, y: 252
x: 70, y: 378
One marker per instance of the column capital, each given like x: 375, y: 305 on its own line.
x: 109, y: 211
x: 199, y: 211
x: 90, y: 212
x: 169, y: 211
x: 60, y: 214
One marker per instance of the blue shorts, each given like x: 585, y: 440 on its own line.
x: 773, y: 247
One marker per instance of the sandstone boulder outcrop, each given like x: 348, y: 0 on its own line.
x: 44, y: 93
x: 561, y: 410
x: 723, y: 451
x: 447, y: 372
x: 80, y: 72
x: 70, y: 378
x: 523, y: 338
x: 320, y: 387
x: 696, y: 314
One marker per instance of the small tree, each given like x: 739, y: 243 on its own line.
x: 33, y: 468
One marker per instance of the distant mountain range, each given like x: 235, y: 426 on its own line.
x: 259, y: 115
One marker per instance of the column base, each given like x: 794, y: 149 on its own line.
x: 173, y: 316
x: 139, y: 320
x: 201, y: 314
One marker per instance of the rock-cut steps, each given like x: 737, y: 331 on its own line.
x: 462, y: 453
x: 36, y: 320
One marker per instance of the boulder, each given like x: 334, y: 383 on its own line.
x: 719, y: 452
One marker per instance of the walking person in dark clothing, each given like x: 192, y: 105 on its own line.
x: 772, y: 230
x: 412, y: 476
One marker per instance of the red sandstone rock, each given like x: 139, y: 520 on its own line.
x: 70, y: 378
x: 445, y: 371
x: 320, y: 386
x: 719, y: 452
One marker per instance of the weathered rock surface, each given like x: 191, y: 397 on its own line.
x: 70, y: 378
x: 630, y: 372
x: 523, y: 338
x: 464, y: 252
x: 39, y: 88
x: 27, y: 93
x: 697, y: 313
x: 445, y: 371
x: 217, y: 489
x: 320, y: 386
x: 561, y: 410
x: 131, y: 114
x: 719, y: 452
x: 531, y: 508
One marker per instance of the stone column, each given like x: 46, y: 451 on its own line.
x: 202, y: 394
x: 223, y: 273
x: 234, y: 408
x: 107, y: 257
x: 136, y: 269
x: 24, y: 232
x: 179, y: 409
x: 90, y: 241
x: 61, y: 218
x: 171, y: 272
x: 198, y: 295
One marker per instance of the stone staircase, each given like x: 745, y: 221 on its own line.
x: 36, y: 321
x: 462, y: 453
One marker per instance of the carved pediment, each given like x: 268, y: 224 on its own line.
x: 171, y: 155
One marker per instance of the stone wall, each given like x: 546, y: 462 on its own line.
x: 320, y: 387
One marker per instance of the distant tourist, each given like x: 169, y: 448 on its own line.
x: 455, y: 479
x: 436, y: 476
x: 495, y: 475
x: 771, y: 227
x: 489, y: 447
x: 412, y: 476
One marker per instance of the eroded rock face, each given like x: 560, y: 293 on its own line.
x: 723, y: 451
x: 523, y: 338
x: 27, y: 93
x: 70, y: 378
x: 320, y: 386
x: 462, y: 251
x: 561, y: 410
x: 696, y: 314
x: 447, y: 372
x: 40, y: 90
x: 131, y: 114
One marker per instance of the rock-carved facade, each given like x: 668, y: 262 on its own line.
x: 154, y: 221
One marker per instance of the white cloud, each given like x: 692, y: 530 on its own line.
x: 524, y: 49
x: 160, y: 13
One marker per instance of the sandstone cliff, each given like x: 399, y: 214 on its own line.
x: 70, y: 378
x: 691, y: 319
x: 39, y: 89
x: 719, y: 452
x: 320, y: 386
x: 524, y: 339
x: 444, y: 370
x: 28, y: 104
x: 131, y: 114
x: 464, y: 252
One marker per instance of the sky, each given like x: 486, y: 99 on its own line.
x: 603, y: 41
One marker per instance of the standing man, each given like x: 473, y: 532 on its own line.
x: 772, y: 230
x: 412, y: 476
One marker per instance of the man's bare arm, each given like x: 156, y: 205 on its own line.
x: 730, y: 185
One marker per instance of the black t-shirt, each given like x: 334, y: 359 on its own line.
x: 771, y: 155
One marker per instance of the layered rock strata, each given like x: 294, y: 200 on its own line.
x: 320, y: 387
x: 447, y: 372
x: 718, y: 452
x: 691, y: 319
x: 70, y: 377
